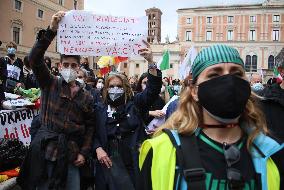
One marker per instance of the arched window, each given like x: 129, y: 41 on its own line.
x: 248, y: 63
x: 271, y: 62
x: 251, y: 63
x: 254, y: 63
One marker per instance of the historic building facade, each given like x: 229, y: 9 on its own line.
x: 22, y: 19
x: 257, y: 31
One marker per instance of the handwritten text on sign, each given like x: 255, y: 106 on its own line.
x: 16, y: 124
x: 85, y: 33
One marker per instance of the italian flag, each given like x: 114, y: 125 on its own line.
x: 276, y: 73
x: 164, y: 62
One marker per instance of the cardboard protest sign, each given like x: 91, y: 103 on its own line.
x: 16, y: 124
x: 85, y: 33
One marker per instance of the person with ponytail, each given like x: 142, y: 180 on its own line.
x: 217, y: 138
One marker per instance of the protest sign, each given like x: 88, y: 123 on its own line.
x: 85, y: 33
x: 16, y: 124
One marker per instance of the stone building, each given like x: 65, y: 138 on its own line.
x: 256, y: 30
x: 154, y: 24
x: 22, y: 19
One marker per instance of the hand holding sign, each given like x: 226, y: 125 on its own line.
x: 85, y: 33
x: 146, y: 52
x: 56, y: 18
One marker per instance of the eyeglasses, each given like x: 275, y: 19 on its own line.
x: 234, y: 176
x: 144, y: 82
x: 67, y: 65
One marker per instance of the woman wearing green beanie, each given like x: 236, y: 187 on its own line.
x: 217, y: 138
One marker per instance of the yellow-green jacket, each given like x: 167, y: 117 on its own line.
x: 164, y: 161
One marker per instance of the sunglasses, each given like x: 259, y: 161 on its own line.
x: 232, y: 156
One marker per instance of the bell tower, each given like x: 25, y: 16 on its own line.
x: 154, y: 24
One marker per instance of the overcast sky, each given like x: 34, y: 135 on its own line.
x: 168, y: 7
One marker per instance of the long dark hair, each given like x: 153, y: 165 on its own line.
x: 139, y: 84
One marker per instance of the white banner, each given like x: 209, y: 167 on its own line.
x: 16, y: 124
x: 85, y: 33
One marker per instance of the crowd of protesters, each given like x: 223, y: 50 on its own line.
x: 223, y: 130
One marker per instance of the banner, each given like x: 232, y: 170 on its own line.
x: 85, y: 33
x: 16, y: 124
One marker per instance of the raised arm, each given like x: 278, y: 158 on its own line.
x: 36, y: 56
x: 146, y: 98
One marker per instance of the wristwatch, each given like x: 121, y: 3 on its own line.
x: 152, y: 66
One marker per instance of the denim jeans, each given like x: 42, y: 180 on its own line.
x: 73, y: 177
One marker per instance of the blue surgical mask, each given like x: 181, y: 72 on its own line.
x: 11, y: 51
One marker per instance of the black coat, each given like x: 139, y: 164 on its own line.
x: 140, y: 103
x: 273, y: 108
x: 157, y: 105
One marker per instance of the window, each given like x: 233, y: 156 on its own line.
x: 16, y: 35
x: 208, y: 35
x: 171, y: 65
x: 230, y: 35
x: 248, y: 63
x: 60, y: 2
x: 18, y: 5
x: 230, y: 19
x: 125, y: 65
x: 188, y: 36
x: 251, y: 63
x: 254, y: 63
x: 252, y: 18
x: 252, y: 35
x: 137, y: 65
x: 209, y: 20
x: 189, y: 20
x: 276, y: 18
x: 271, y: 62
x: 275, y: 35
x: 40, y: 13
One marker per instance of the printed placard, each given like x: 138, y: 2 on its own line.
x: 16, y: 124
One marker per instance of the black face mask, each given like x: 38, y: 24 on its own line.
x: 117, y: 102
x: 224, y: 97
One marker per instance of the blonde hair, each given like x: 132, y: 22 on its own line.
x: 188, y: 117
x: 125, y: 85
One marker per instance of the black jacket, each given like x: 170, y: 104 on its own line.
x: 273, y: 107
x: 140, y: 103
x: 157, y: 105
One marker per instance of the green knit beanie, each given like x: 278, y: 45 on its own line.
x: 214, y: 55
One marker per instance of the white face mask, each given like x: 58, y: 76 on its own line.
x: 143, y: 86
x: 163, y: 89
x: 69, y: 74
x: 99, y: 85
x: 82, y: 82
x: 115, y: 93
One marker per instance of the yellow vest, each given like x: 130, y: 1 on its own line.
x: 164, y: 164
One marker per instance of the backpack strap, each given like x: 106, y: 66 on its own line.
x: 188, y: 159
